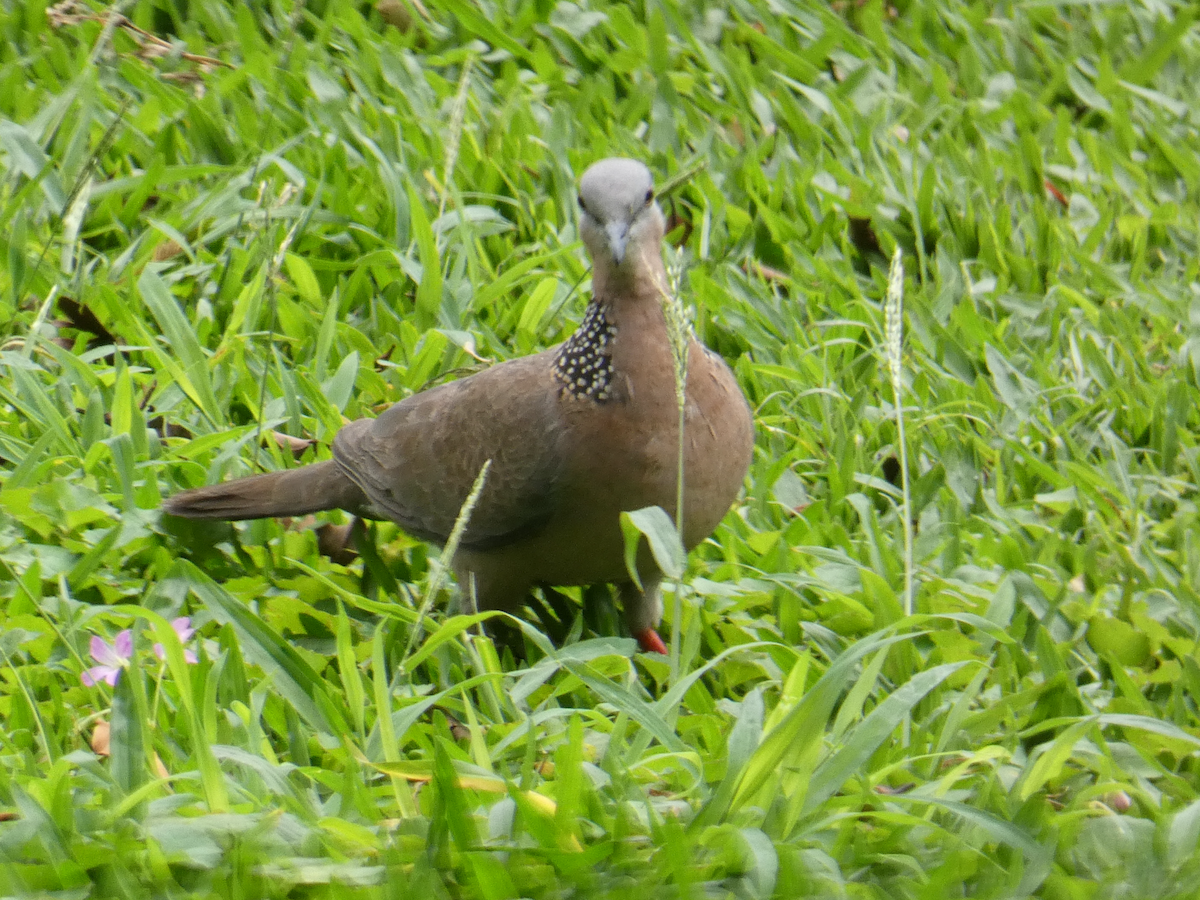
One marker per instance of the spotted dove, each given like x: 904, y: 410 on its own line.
x: 575, y: 434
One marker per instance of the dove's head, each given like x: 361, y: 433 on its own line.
x: 619, y: 221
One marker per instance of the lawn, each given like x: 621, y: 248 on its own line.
x: 946, y: 643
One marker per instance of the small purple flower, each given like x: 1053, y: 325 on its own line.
x: 184, y: 631
x: 112, y: 659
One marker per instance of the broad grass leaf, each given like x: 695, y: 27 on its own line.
x: 798, y: 736
x: 398, y: 722
x: 325, y: 336
x: 1119, y: 640
x: 493, y: 880
x: 569, y: 785
x: 340, y: 387
x: 451, y: 804
x: 667, y: 705
x: 543, y: 670
x: 1050, y: 759
x: 1152, y: 725
x: 1014, y: 389
x: 17, y: 264
x: 1183, y: 834
x: 290, y: 675
x: 191, y: 372
x: 42, y: 824
x: 998, y: 829
x: 488, y: 294
x: 967, y: 697
x: 275, y: 776
x: 120, y: 448
x: 744, y: 739
x: 850, y: 709
x: 43, y: 410
x: 447, y: 631
x: 304, y: 279
x: 350, y: 676
x: 123, y: 412
x: 624, y: 701
x: 92, y: 560
x: 127, y: 742
x: 746, y: 733
x: 988, y: 627
x: 536, y: 306
x: 656, y: 525
x: 868, y: 736
x: 26, y: 156
x: 481, y: 25
x: 192, y: 841
x: 763, y: 861
x: 429, y: 289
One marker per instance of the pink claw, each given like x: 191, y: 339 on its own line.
x: 651, y: 642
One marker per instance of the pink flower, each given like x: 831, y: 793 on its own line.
x: 184, y: 631
x: 112, y: 659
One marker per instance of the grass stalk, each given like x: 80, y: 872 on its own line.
x: 894, y: 341
x: 679, y: 333
x: 458, y: 109
x: 437, y: 574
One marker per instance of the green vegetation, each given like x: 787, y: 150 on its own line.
x: 346, y: 210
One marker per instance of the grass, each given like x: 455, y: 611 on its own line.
x: 344, y: 211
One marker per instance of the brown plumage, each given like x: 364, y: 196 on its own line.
x: 576, y: 435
